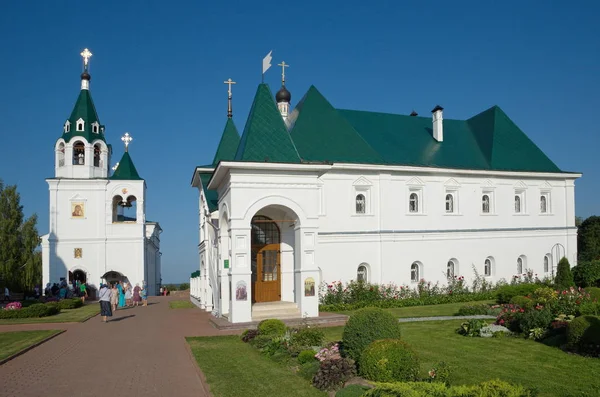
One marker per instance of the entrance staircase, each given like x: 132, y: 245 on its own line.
x: 279, y: 310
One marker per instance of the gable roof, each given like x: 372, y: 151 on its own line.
x: 230, y: 140
x: 212, y: 197
x: 126, y: 170
x: 84, y: 109
x: 265, y: 136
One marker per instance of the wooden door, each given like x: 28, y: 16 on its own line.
x: 267, y: 287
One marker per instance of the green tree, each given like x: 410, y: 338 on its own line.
x: 20, y: 264
x: 564, y: 277
x: 588, y: 239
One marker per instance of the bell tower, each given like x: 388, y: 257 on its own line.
x: 81, y: 152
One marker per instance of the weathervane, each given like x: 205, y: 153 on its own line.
x: 86, y: 55
x: 229, y: 110
x: 126, y: 139
x: 283, y: 66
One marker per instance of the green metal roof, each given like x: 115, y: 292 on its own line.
x: 265, y: 136
x: 126, y: 170
x: 84, y: 109
x: 229, y: 143
x: 212, y: 197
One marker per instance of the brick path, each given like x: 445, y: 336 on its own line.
x: 143, y: 354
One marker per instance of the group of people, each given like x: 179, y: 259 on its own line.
x: 120, y: 295
x: 63, y: 290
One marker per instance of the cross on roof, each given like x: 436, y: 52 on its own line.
x: 86, y: 55
x: 229, y: 82
x: 283, y: 66
x: 126, y: 139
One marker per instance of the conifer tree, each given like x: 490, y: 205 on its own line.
x: 564, y: 277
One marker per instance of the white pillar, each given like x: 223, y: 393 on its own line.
x: 306, y: 270
x: 240, y: 275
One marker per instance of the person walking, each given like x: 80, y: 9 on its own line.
x: 105, y: 309
x: 144, y: 295
x: 128, y: 295
x: 83, y: 292
x: 114, y: 297
x: 136, y: 295
x: 121, y: 294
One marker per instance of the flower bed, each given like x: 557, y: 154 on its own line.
x: 16, y: 310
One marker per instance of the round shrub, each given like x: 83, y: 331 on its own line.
x: 69, y: 304
x: 522, y: 301
x: 583, y: 332
x: 365, y: 326
x: 306, y: 356
x: 389, y: 360
x: 506, y: 292
x: 308, y: 337
x: 594, y: 293
x: 272, y: 327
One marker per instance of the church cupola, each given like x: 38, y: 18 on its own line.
x: 283, y: 96
x: 81, y: 151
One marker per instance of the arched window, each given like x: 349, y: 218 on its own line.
x: 124, y: 209
x: 449, y: 203
x: 485, y: 204
x: 487, y: 267
x: 546, y: 263
x: 517, y: 204
x: 97, y: 151
x: 415, y: 272
x: 361, y: 204
x: 61, y: 154
x: 80, y: 125
x: 543, y: 204
x: 78, y: 153
x: 362, y: 273
x: 413, y: 202
x: 450, y: 269
x: 67, y: 127
x: 95, y: 127
x: 519, y: 265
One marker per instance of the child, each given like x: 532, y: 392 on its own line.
x: 144, y: 295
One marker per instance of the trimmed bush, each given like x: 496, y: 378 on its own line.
x: 492, y: 388
x: 506, y: 292
x: 333, y: 374
x: 389, y: 360
x: 583, y: 334
x: 66, y: 304
x: 33, y: 311
x: 352, y: 391
x: 522, y: 301
x: 272, y: 327
x: 306, y: 356
x: 564, y: 277
x: 365, y: 326
x: 473, y: 310
x: 594, y: 293
x: 587, y: 274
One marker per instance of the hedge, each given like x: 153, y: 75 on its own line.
x: 36, y: 310
x: 492, y: 388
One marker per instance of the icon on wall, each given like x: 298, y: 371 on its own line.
x: 77, y: 210
x: 241, y: 292
x: 309, y: 287
x: 78, y: 252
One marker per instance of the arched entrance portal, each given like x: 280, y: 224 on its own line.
x: 265, y: 259
x: 78, y: 276
x: 112, y: 277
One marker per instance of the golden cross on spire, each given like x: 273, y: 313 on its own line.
x: 283, y: 66
x: 126, y: 139
x: 86, y: 55
x: 229, y: 109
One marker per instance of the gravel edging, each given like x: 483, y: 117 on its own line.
x: 17, y: 354
x: 443, y: 318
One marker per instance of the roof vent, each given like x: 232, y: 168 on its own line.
x: 414, y: 114
x: 438, y: 128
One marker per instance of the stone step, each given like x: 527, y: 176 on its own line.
x: 279, y: 310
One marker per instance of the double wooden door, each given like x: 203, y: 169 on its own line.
x: 267, y: 280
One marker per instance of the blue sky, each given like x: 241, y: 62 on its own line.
x: 158, y: 70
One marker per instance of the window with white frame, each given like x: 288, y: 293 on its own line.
x: 361, y: 204
x: 415, y: 271
x: 95, y: 127
x: 449, y: 203
x: 519, y: 265
x: 67, y: 126
x: 487, y: 203
x: 546, y: 263
x: 413, y: 202
x: 545, y: 203
x: 450, y: 269
x: 80, y: 125
x: 487, y: 266
x: 362, y: 273
x: 519, y: 202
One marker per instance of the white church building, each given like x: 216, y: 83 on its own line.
x: 320, y: 194
x: 98, y: 229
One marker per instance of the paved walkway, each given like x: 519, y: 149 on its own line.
x: 142, y: 352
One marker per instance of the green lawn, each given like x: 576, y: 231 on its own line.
x: 65, y: 316
x: 13, y: 342
x: 446, y: 309
x: 181, y: 305
x: 233, y: 368
x: 473, y: 360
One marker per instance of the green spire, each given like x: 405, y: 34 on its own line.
x: 126, y: 170
x: 265, y: 136
x: 86, y: 111
x: 229, y: 143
